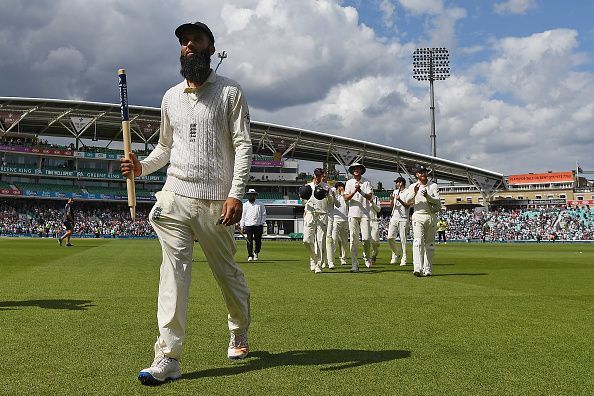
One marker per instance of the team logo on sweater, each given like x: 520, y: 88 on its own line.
x: 192, y: 132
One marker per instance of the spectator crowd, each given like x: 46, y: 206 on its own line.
x: 44, y: 218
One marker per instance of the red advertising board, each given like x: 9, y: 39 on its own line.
x: 588, y: 202
x: 534, y: 178
x: 9, y: 191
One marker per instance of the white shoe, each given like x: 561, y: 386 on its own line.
x: 312, y: 265
x: 161, y: 370
x: 394, y: 259
x: 343, y: 262
x: 324, y: 265
x: 318, y: 269
x: 368, y: 263
x: 255, y: 257
x: 250, y: 258
x: 238, y: 346
x: 331, y: 266
x: 403, y: 263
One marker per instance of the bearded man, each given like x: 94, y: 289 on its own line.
x: 205, y: 137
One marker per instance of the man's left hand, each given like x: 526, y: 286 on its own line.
x: 231, y: 213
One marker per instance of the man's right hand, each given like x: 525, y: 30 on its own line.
x: 129, y: 165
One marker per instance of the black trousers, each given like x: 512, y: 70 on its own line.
x: 254, y: 235
x: 441, y: 234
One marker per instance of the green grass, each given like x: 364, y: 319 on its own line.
x: 497, y: 319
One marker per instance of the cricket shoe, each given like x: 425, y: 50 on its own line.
x: 255, y: 256
x: 403, y: 263
x: 312, y: 265
x: 416, y: 273
x: 238, y: 346
x: 250, y: 259
x: 343, y: 262
x: 394, y: 259
x: 162, y: 369
x: 331, y: 266
x: 69, y: 244
x: 368, y: 263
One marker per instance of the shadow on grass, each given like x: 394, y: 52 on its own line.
x: 462, y: 274
x: 72, y: 305
x: 335, y: 359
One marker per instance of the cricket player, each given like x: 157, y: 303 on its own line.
x: 357, y: 193
x: 399, y: 222
x: 253, y: 219
x: 374, y: 227
x: 205, y: 138
x: 68, y: 222
x: 329, y: 248
x: 315, y: 220
x: 340, y: 224
x: 425, y: 197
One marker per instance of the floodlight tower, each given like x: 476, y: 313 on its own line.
x: 431, y: 64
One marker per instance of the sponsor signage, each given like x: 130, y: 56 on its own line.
x: 9, y: 191
x: 269, y: 163
x: 148, y: 128
x: 279, y: 202
x: 50, y: 151
x: 66, y: 173
x: 80, y: 123
x: 9, y: 118
x: 588, y: 202
x: 537, y: 178
x: 85, y: 154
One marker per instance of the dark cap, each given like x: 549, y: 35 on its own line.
x: 195, y: 26
x: 401, y: 180
x: 421, y: 168
x: 339, y: 184
x: 305, y: 192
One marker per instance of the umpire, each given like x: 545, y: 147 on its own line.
x: 252, y: 223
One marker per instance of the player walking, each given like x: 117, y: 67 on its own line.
x: 425, y: 196
x: 68, y: 222
x: 252, y: 223
x: 340, y: 224
x: 357, y: 193
x: 374, y: 227
x: 314, y: 221
x: 399, y: 222
x: 205, y: 138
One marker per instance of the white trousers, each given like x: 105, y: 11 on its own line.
x: 424, y: 227
x: 329, y: 248
x: 340, y: 238
x: 375, y: 239
x: 178, y: 222
x: 359, y: 230
x: 314, y: 235
x: 399, y: 228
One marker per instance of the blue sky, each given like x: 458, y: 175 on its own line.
x: 519, y: 98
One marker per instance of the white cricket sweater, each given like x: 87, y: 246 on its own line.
x: 205, y: 136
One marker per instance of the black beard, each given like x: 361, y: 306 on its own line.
x: 195, y: 68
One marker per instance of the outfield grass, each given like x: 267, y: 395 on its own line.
x: 499, y: 319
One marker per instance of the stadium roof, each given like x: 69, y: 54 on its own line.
x: 101, y: 121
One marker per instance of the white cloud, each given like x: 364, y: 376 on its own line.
x: 388, y: 10
x: 422, y: 6
x: 514, y: 6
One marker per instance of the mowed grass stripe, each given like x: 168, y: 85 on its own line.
x: 501, y: 319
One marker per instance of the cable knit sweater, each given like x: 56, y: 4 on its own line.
x: 205, y: 136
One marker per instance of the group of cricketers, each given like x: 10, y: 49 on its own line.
x: 346, y: 215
